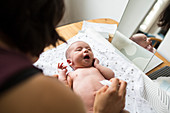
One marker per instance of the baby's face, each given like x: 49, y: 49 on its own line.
x: 142, y: 40
x: 81, y: 55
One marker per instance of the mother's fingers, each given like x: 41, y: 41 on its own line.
x: 122, y: 87
x: 115, y: 84
x: 103, y: 89
x: 118, y: 86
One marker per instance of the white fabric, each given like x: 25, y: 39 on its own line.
x: 156, y: 96
x: 108, y: 56
x: 106, y: 82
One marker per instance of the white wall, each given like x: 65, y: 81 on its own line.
x: 78, y: 10
x: 152, y: 26
x: 133, y: 16
x: 164, y: 48
x: 66, y: 18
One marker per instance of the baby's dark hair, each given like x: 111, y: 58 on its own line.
x: 30, y: 24
x: 164, y: 19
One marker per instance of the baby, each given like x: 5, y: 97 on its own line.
x: 84, y: 80
x: 143, y: 41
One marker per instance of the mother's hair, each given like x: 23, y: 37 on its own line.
x: 164, y: 18
x: 29, y: 25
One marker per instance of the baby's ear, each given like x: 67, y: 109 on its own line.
x: 69, y: 62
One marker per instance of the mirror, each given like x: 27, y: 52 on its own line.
x: 150, y: 24
x: 156, y: 34
x: 133, y: 20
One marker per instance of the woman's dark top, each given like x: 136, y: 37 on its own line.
x: 14, y: 68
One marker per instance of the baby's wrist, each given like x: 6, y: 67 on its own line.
x: 62, y: 71
x: 96, y: 65
x: 62, y: 78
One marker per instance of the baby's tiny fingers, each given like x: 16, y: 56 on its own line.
x: 61, y: 64
x: 64, y: 67
x: 58, y: 65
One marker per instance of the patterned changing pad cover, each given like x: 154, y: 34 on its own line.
x: 140, y: 97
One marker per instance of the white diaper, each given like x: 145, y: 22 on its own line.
x: 105, y: 82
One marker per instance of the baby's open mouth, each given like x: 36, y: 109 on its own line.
x: 87, y: 57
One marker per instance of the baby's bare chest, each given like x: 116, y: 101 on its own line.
x: 87, y: 80
x: 85, y: 83
x: 87, y: 73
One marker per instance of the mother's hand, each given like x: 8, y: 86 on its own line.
x: 111, y: 99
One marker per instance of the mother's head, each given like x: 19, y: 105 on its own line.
x: 29, y: 25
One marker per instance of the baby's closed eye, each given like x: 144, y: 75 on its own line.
x: 78, y: 49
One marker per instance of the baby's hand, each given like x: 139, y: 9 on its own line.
x: 96, y: 61
x: 62, y: 73
x: 62, y: 68
x: 150, y: 48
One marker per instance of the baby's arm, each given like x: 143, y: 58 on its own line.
x: 70, y: 81
x: 62, y: 70
x: 106, y: 72
x: 66, y: 79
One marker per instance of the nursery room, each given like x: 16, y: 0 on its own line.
x: 85, y: 56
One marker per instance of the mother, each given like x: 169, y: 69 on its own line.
x: 26, y: 28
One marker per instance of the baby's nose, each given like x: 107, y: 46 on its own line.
x: 149, y: 40
x: 85, y: 50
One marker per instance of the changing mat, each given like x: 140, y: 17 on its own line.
x: 108, y: 56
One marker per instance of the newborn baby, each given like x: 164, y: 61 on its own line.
x: 87, y: 74
x: 143, y: 41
